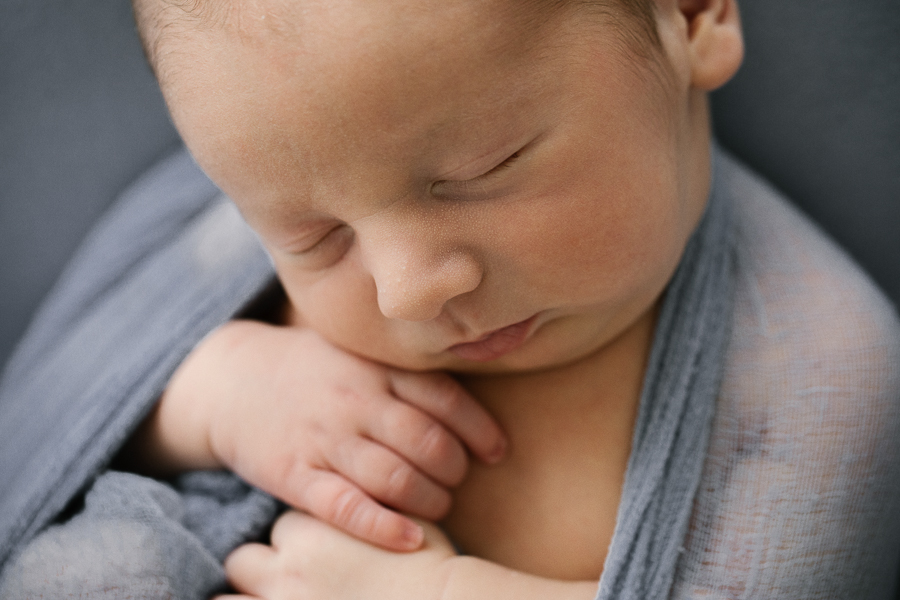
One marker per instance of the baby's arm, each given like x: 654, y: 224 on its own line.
x: 323, y: 430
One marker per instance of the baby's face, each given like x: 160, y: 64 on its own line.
x: 441, y: 186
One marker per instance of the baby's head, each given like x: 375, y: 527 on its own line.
x: 474, y: 185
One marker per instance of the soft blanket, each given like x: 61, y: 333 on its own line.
x: 173, y: 260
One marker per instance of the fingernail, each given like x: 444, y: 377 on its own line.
x: 412, y: 536
x: 497, y: 454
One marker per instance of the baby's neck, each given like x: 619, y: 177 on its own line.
x: 550, y: 507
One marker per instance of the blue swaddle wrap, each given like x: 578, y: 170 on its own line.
x: 139, y: 538
x: 170, y: 263
x: 676, y: 410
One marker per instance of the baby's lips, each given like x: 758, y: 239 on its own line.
x: 497, y: 343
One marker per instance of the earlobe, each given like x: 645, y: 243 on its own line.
x: 715, y: 41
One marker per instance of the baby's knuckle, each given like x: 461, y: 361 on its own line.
x: 313, y: 491
x: 435, y: 444
x: 347, y: 510
x: 400, y: 482
x: 284, y: 469
x: 402, y: 417
x: 449, y: 397
x: 347, y: 399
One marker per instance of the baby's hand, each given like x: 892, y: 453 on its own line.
x: 323, y: 430
x: 308, y: 560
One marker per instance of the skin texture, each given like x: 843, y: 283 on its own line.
x: 370, y: 185
x: 323, y: 430
x: 425, y: 174
x: 308, y: 559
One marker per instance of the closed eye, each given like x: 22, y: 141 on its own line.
x: 475, y: 186
x: 327, y: 250
x: 502, y: 166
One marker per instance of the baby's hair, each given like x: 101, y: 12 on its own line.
x: 634, y: 21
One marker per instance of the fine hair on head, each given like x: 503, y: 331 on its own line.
x: 632, y: 21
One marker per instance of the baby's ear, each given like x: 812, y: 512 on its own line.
x: 715, y: 41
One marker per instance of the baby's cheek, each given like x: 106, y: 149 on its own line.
x: 560, y: 250
x: 340, y: 303
x: 334, y: 299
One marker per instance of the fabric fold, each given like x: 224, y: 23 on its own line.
x: 170, y: 262
x: 675, y: 414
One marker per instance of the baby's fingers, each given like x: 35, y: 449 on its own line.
x: 446, y: 400
x: 422, y: 440
x: 330, y: 497
x: 390, y: 479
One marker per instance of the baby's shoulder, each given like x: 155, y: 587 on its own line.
x: 800, y: 493
x: 811, y: 329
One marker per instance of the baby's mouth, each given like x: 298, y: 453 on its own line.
x: 495, y: 344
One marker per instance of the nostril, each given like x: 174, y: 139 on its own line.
x: 420, y: 294
x: 407, y: 301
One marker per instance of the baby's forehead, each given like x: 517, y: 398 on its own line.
x: 326, y: 90
x: 343, y: 48
x: 319, y: 25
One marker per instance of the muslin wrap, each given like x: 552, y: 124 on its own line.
x: 764, y: 460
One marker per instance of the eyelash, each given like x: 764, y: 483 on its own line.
x: 329, y: 249
x: 502, y: 166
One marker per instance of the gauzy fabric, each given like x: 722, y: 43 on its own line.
x: 169, y: 263
x: 800, y: 492
x: 677, y: 401
x: 780, y: 482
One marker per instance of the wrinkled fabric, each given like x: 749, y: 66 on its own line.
x: 675, y: 412
x: 764, y: 459
x: 171, y: 261
x: 142, y: 539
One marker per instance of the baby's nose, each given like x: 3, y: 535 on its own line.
x: 415, y: 287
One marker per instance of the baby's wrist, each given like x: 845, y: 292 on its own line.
x: 175, y: 437
x: 199, y: 394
